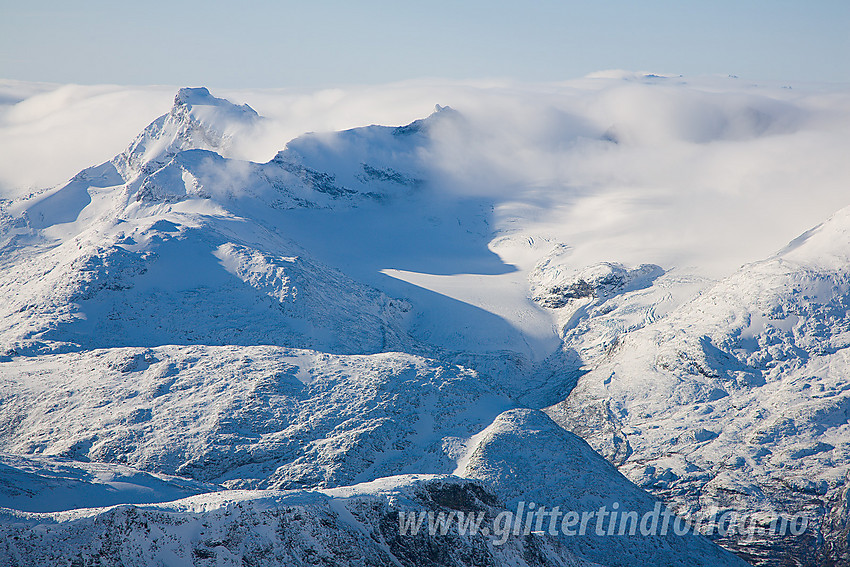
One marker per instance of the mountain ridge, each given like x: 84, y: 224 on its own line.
x: 247, y: 325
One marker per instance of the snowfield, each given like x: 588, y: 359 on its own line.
x: 738, y: 397
x: 212, y: 353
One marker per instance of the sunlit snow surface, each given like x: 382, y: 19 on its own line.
x: 228, y: 304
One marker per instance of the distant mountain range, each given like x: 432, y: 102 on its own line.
x: 205, y: 360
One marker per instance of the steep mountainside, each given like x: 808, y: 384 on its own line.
x: 252, y: 362
x: 738, y: 399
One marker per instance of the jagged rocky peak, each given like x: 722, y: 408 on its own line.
x: 201, y: 96
x: 197, y: 103
x: 440, y: 114
x: 197, y: 120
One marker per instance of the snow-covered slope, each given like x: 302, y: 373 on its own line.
x: 524, y: 456
x: 44, y: 484
x: 245, y: 325
x: 738, y: 399
x: 354, y: 527
x: 169, y: 252
x: 197, y: 121
x: 255, y: 416
x: 188, y: 222
x: 188, y: 279
x: 247, y: 416
x: 266, y: 417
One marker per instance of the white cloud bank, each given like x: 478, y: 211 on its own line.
x: 706, y: 173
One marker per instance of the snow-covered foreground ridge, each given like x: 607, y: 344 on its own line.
x: 360, y: 309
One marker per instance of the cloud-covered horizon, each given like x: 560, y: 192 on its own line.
x: 621, y: 166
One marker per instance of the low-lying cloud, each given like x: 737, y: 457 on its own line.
x: 707, y: 173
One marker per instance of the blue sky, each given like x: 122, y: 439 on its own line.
x: 329, y: 42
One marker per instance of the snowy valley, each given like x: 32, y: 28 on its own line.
x: 207, y: 358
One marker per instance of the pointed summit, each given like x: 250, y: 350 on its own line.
x: 200, y: 96
x: 422, y: 125
x: 198, y: 120
x: 195, y: 95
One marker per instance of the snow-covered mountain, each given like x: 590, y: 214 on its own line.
x: 266, y: 362
x: 351, y: 527
x: 737, y: 399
